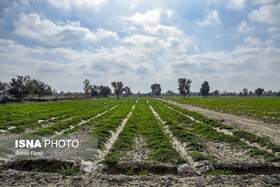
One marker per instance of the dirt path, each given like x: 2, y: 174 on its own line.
x: 255, y: 126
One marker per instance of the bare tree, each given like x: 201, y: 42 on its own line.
x: 118, y: 88
x: 184, y: 86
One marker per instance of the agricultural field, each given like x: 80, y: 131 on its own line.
x: 19, y: 118
x: 266, y: 109
x: 141, y: 141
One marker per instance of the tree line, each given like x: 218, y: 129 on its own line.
x: 23, y: 86
x: 184, y: 85
x: 104, y: 91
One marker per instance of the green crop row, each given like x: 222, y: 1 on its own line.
x: 103, y: 128
x: 73, y: 122
x: 252, y: 138
x: 173, y: 120
x: 169, y: 114
x: 211, y: 134
x: 38, y: 111
x: 143, y: 122
x: 266, y: 109
x: 30, y: 113
x: 199, y: 117
x: 64, y: 117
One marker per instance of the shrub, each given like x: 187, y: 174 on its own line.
x: 68, y: 170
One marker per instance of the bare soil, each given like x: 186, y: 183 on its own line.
x: 113, y: 139
x: 20, y: 178
x: 247, y: 171
x: 140, y: 151
x: 252, y: 125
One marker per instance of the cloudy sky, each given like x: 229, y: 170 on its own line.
x: 230, y: 43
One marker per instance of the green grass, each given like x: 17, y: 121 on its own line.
x: 177, y: 124
x: 199, y: 117
x: 218, y: 172
x: 266, y: 155
x: 144, y: 172
x: 23, y: 116
x: 234, y: 141
x: 195, y: 146
x: 264, y: 108
x: 252, y: 138
x: 211, y: 134
x: 143, y: 122
x: 196, y: 156
x: 132, y: 171
x: 103, y: 127
x: 74, y: 121
x: 67, y: 170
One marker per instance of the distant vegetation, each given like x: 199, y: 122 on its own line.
x: 25, y: 87
x: 95, y: 90
x: 266, y: 108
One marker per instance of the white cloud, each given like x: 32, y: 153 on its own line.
x: 147, y: 28
x: 274, y: 29
x: 244, y: 28
x: 268, y: 42
x: 137, y: 68
x: 66, y: 4
x: 269, y: 14
x: 236, y: 4
x: 212, y: 18
x: 101, y: 33
x: 264, y: 1
x: 169, y: 14
x: 151, y: 18
x: 253, y: 41
x: 163, y: 31
x: 32, y: 26
x: 233, y: 68
x: 146, y: 44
